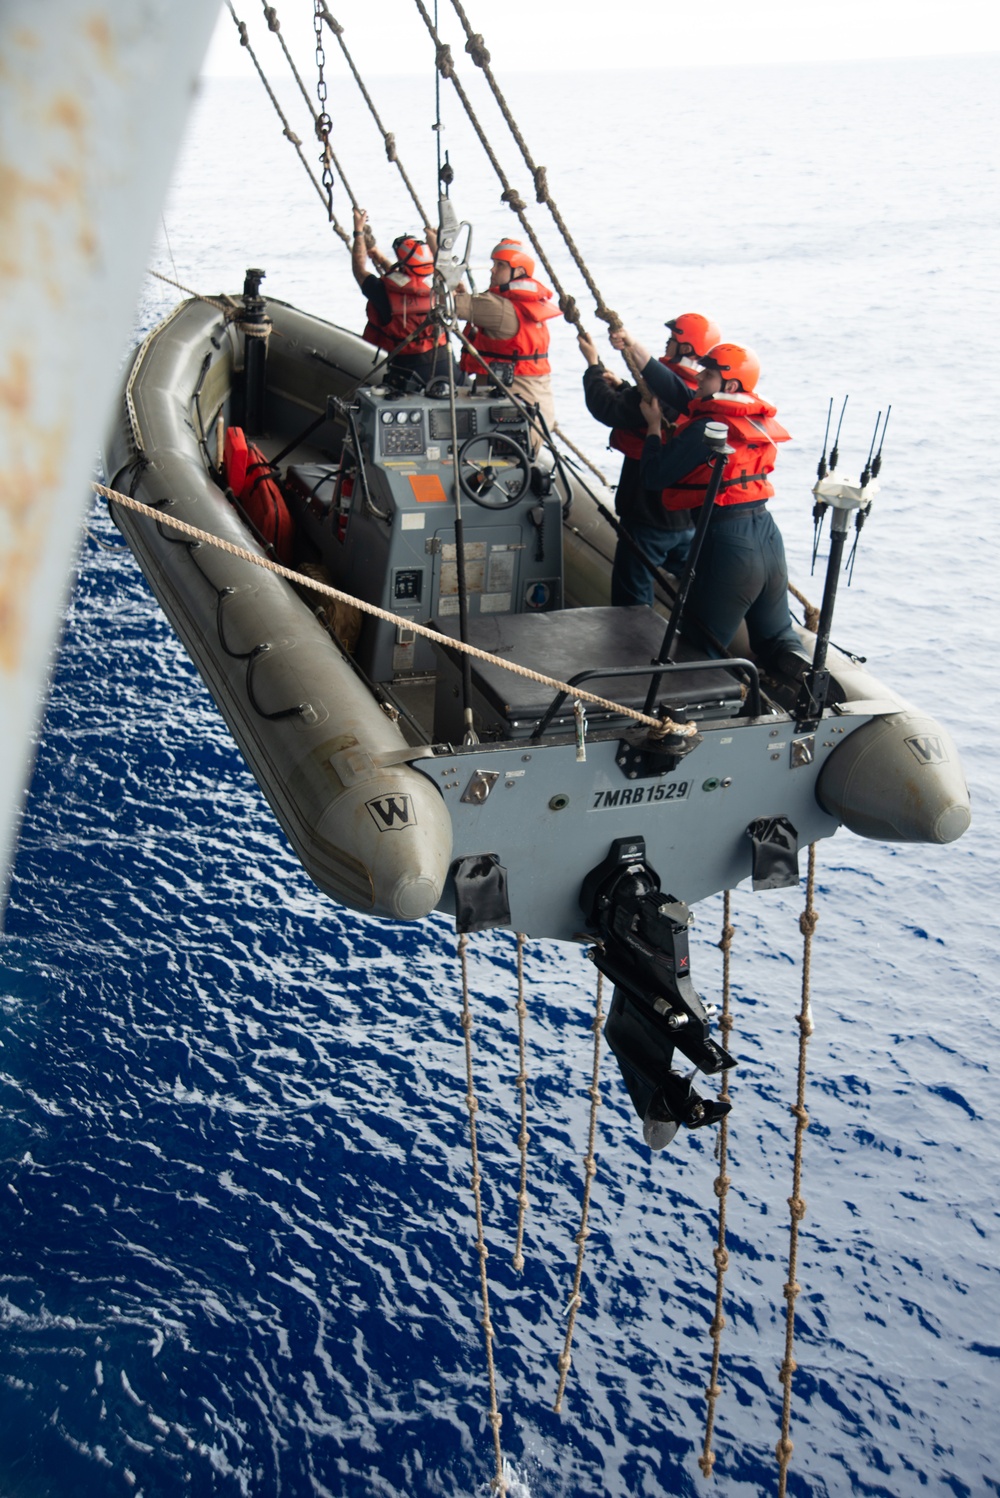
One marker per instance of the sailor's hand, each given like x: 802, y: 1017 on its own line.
x: 653, y: 415
x: 611, y: 380
x: 588, y: 348
x: 432, y: 240
x: 620, y: 338
x: 360, y: 220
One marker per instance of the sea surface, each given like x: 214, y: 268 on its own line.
x: 237, y: 1248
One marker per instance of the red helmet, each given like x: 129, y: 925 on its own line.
x: 700, y: 332
x: 513, y: 252
x: 413, y: 254
x: 734, y: 362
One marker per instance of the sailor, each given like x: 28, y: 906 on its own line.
x: 663, y: 536
x: 508, y: 324
x: 741, y: 573
x: 400, y: 301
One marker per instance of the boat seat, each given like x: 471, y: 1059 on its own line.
x: 562, y: 644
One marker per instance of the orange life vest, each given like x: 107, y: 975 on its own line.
x: 411, y: 299
x: 752, y: 434
x: 251, y: 478
x: 631, y: 443
x: 528, y: 349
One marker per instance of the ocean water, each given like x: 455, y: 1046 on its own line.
x: 237, y: 1253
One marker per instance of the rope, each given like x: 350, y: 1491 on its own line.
x: 590, y: 1170
x: 387, y: 135
x: 722, y: 1183
x: 522, y: 1087
x: 498, y: 1483
x: 289, y: 133
x: 476, y: 49
x: 567, y: 303
x: 557, y: 431
x: 273, y: 24
x: 797, y: 1207
x: 510, y: 196
x: 811, y: 611
x: 229, y: 307
x: 662, y: 725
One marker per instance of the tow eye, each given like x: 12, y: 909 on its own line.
x: 642, y: 946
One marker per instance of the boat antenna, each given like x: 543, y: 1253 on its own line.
x: 866, y: 472
x: 871, y: 471
x: 819, y: 508
x: 877, y: 465
x: 835, y: 452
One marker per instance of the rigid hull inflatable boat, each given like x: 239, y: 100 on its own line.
x: 561, y: 819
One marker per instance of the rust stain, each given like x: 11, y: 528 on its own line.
x: 15, y: 388
x: 29, y: 485
x: 98, y: 31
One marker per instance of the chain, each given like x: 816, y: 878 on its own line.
x: 796, y: 1204
x: 324, y: 124
x: 722, y: 1183
x: 389, y: 140
x: 287, y: 130
x: 274, y: 25
x: 590, y: 1170
x: 472, y: 1103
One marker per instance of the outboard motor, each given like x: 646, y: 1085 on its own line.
x: 642, y: 947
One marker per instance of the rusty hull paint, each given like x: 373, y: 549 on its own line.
x: 93, y: 96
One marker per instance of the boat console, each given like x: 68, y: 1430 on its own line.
x: 384, y: 518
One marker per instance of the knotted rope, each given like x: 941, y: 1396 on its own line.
x: 287, y: 130
x: 387, y: 136
x: 797, y: 1207
x: 722, y: 1183
x: 498, y: 1483
x: 590, y: 1170
x: 476, y: 48
x: 659, y: 725
x: 274, y: 25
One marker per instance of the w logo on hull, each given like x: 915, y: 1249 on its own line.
x: 928, y: 748
x: 391, y: 812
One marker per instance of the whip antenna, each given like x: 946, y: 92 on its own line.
x: 877, y: 465
x: 819, y: 508
x: 835, y: 454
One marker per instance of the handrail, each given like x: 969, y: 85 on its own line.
x: 661, y: 669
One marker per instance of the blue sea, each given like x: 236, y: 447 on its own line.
x: 237, y: 1252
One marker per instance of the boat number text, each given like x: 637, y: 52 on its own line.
x: 641, y: 795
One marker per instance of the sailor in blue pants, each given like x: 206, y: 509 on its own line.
x: 741, y: 573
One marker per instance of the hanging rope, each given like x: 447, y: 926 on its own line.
x: 287, y: 130
x: 446, y: 67
x: 662, y: 726
x: 522, y: 1087
x: 557, y: 431
x: 274, y: 25
x: 810, y: 609
x: 590, y: 1170
x: 567, y: 303
x: 797, y: 1207
x: 476, y: 48
x: 722, y: 1184
x: 390, y: 140
x: 495, y: 1418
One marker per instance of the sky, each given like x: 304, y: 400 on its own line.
x: 574, y: 35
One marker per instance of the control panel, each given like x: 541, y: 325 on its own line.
x: 385, y: 519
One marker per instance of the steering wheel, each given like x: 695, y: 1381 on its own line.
x: 493, y: 470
